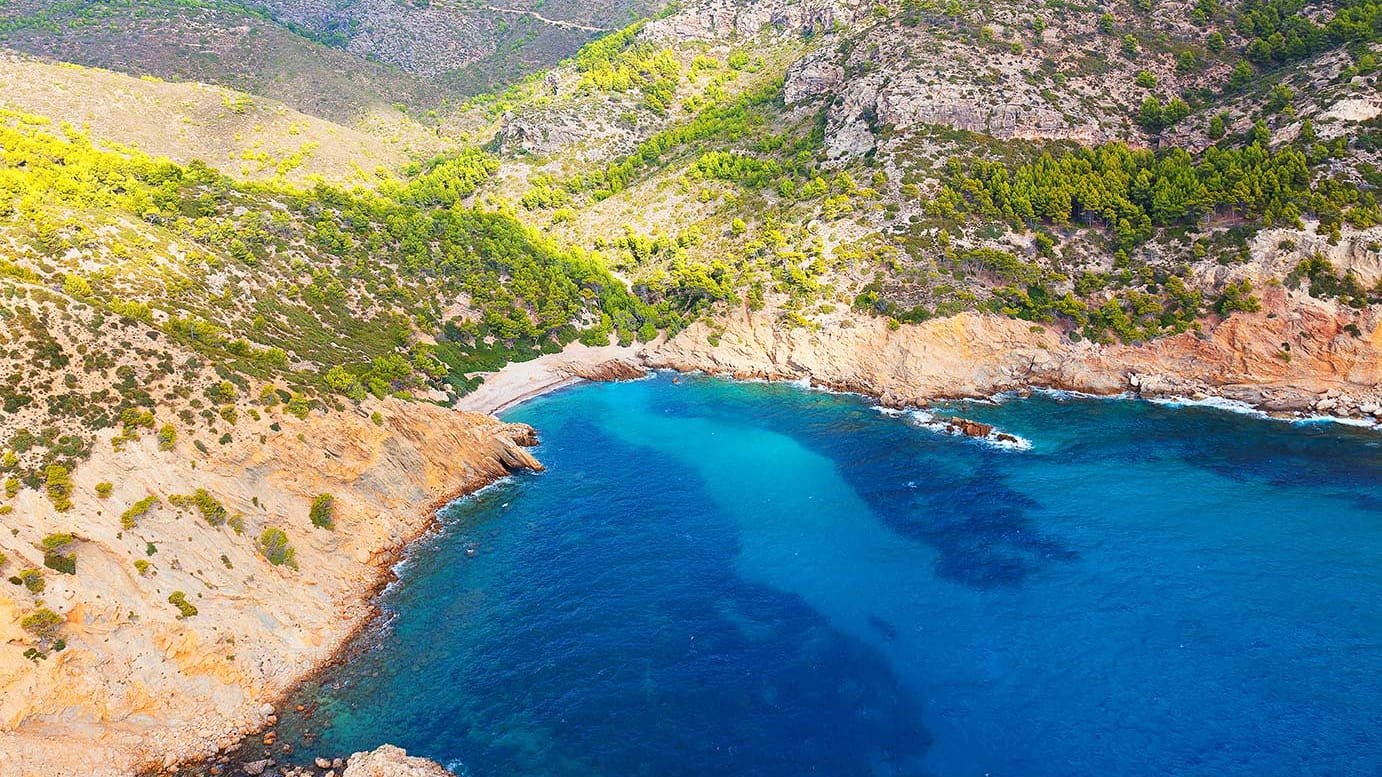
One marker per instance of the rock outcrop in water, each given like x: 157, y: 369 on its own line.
x: 390, y: 761
x: 143, y: 682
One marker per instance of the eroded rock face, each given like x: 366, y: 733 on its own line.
x: 887, y: 84
x: 607, y: 371
x: 137, y: 684
x: 1292, y: 355
x: 720, y: 20
x: 588, y: 130
x: 390, y: 761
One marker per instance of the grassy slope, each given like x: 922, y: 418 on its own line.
x: 245, y: 136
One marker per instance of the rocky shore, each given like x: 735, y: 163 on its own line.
x: 141, y: 684
x: 1297, y: 356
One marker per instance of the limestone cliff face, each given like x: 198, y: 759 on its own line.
x: 137, y: 684
x: 1297, y: 354
x: 721, y: 20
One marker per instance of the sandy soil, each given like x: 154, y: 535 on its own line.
x: 522, y: 381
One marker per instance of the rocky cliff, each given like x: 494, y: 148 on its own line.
x: 1297, y: 354
x: 144, y: 681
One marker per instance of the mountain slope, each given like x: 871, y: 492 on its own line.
x: 909, y: 198
x: 245, y: 136
x: 917, y: 161
x: 334, y: 60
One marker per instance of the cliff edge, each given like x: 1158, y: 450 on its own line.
x: 202, y: 589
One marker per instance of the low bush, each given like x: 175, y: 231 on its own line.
x: 323, y: 512
x: 179, y: 599
x: 137, y: 510
x: 274, y: 546
x: 42, y: 623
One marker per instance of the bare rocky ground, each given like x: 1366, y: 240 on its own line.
x: 139, y: 683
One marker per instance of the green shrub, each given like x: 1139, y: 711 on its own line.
x: 142, y: 567
x: 58, y: 483
x: 65, y: 563
x: 42, y: 623
x: 1237, y: 296
x: 56, y: 542
x: 104, y: 490
x: 137, y: 510
x: 167, y: 437
x: 179, y: 599
x: 211, y: 510
x: 324, y: 511
x: 32, y: 579
x: 274, y: 546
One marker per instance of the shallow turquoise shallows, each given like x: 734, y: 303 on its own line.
x: 716, y: 578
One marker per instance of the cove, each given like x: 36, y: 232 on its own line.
x: 754, y: 579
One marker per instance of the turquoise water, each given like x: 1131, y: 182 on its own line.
x: 716, y: 578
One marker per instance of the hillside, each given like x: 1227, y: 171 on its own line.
x: 245, y: 136
x: 335, y: 60
x: 234, y: 234
x: 867, y: 162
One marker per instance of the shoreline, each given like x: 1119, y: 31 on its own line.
x: 518, y: 382
x: 232, y: 756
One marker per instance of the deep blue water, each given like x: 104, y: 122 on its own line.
x: 716, y: 578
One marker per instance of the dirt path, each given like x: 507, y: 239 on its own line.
x: 525, y: 12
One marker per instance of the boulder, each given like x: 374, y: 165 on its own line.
x: 607, y: 371
x: 969, y: 428
x: 390, y: 761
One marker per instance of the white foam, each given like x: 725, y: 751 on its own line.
x: 942, y: 425
x: 1218, y: 403
x: 1362, y: 423
x: 1064, y: 394
x: 1017, y: 443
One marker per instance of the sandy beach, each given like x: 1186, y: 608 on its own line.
x: 520, y: 381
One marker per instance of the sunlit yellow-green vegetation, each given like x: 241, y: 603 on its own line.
x: 130, y: 517
x: 211, y: 511
x: 321, y: 290
x: 54, y: 557
x: 733, y: 157
x: 619, y: 63
x: 179, y: 600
